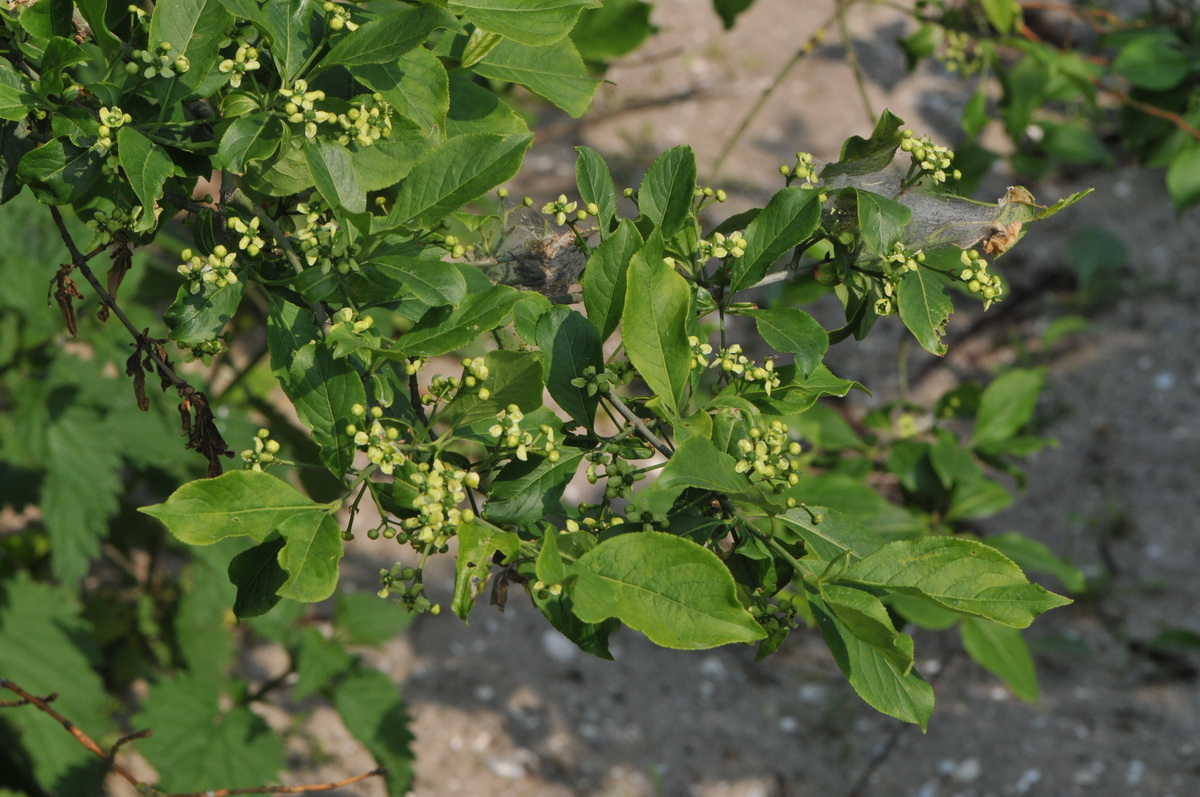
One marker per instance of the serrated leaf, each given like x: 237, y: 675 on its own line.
x: 793, y: 331
x: 787, y: 221
x: 334, y: 175
x: 43, y: 650
x: 257, y: 575
x: 387, y: 37
x: 698, y: 463
x: 249, y: 139
x: 571, y: 345
x: 363, y: 618
x: 524, y: 492
x: 323, y: 390
x: 1006, y: 406
x: 668, y: 188
x: 677, y: 593
x: 924, y: 308
x: 654, y: 326
x: 372, y: 709
x: 477, y: 543
x: 1155, y: 59
x: 310, y: 557
x: 961, y: 575
x: 532, y: 22
x: 196, y: 746
x: 515, y: 377
x: 596, y: 185
x: 835, y: 535
x: 865, y: 616
x: 476, y: 109
x: 868, y: 155
x: 239, y: 503
x: 604, y: 280
x: 196, y: 317
x: 1003, y: 652
x: 454, y: 173
x: 433, y: 282
x: 884, y: 686
x: 319, y: 661
x: 443, y: 330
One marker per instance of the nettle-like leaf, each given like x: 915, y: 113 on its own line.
x: 676, y: 592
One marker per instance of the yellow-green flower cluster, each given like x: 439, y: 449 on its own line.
x: 357, y: 323
x: 700, y: 352
x: 381, y: 443
x: 769, y: 455
x: 722, y: 246
x: 620, y: 475
x: 594, y: 381
x: 366, y: 122
x: 561, y: 208
x: 958, y: 53
x: 507, y: 430
x: 475, y: 372
x: 441, y: 490
x: 263, y: 454
x: 323, y: 242
x: 250, y: 241
x: 301, y: 108
x: 205, y: 350
x: 339, y: 18
x: 245, y: 59
x: 978, y: 280
x: 215, y: 269
x: 933, y: 159
x: 804, y: 170
x: 733, y: 362
x: 160, y: 63
x: 105, y: 226
x: 895, y: 266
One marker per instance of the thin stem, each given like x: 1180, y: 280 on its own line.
x: 643, y: 430
x: 852, y: 59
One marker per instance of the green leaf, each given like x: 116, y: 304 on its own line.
x: 249, y: 139
x: 194, y: 28
x: 793, y: 331
x: 201, y: 621
x: 868, y: 155
x: 1001, y: 13
x: 196, y: 317
x: 287, y: 174
x: 196, y: 746
x: 477, y: 543
x: 865, y: 616
x: 728, y: 10
x: 525, y: 492
x: 957, y: 574
x: 387, y: 37
x: 881, y: 221
x: 334, y: 174
x: 1183, y: 179
x: 617, y: 28
x: 60, y: 54
x: 320, y: 661
x: 532, y: 22
x: 363, y: 618
x: 238, y: 503
x: 16, y: 94
x: 699, y: 463
x: 667, y: 191
x: 925, y: 307
x: 257, y: 575
x: 835, y: 535
x: 596, y: 186
x: 58, y: 172
x: 977, y: 498
x: 1154, y: 60
x: 433, y: 282
x: 677, y: 593
x: 654, y: 326
x: 95, y: 13
x: 290, y: 28
x: 44, y: 650
x: 416, y: 85
x: 324, y: 389
x: 571, y: 345
x: 515, y: 377
x: 454, y: 173
x: 310, y: 557
x: 443, y: 330
x: 604, y: 279
x: 787, y: 221
x: 373, y: 711
x: 1003, y: 652
x: 1032, y: 555
x: 1006, y: 406
x: 555, y: 72
x: 550, y: 567
x: 475, y: 109
x: 891, y: 690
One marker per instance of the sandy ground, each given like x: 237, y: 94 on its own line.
x: 509, y: 707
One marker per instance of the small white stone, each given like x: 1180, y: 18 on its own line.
x: 1164, y: 381
x: 789, y: 724
x: 812, y: 693
x: 1029, y: 778
x: 713, y: 667
x: 505, y: 766
x: 558, y: 647
x: 968, y: 770
x: 1135, y: 773
x: 484, y: 693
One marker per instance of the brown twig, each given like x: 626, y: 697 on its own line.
x: 628, y: 414
x: 43, y: 704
